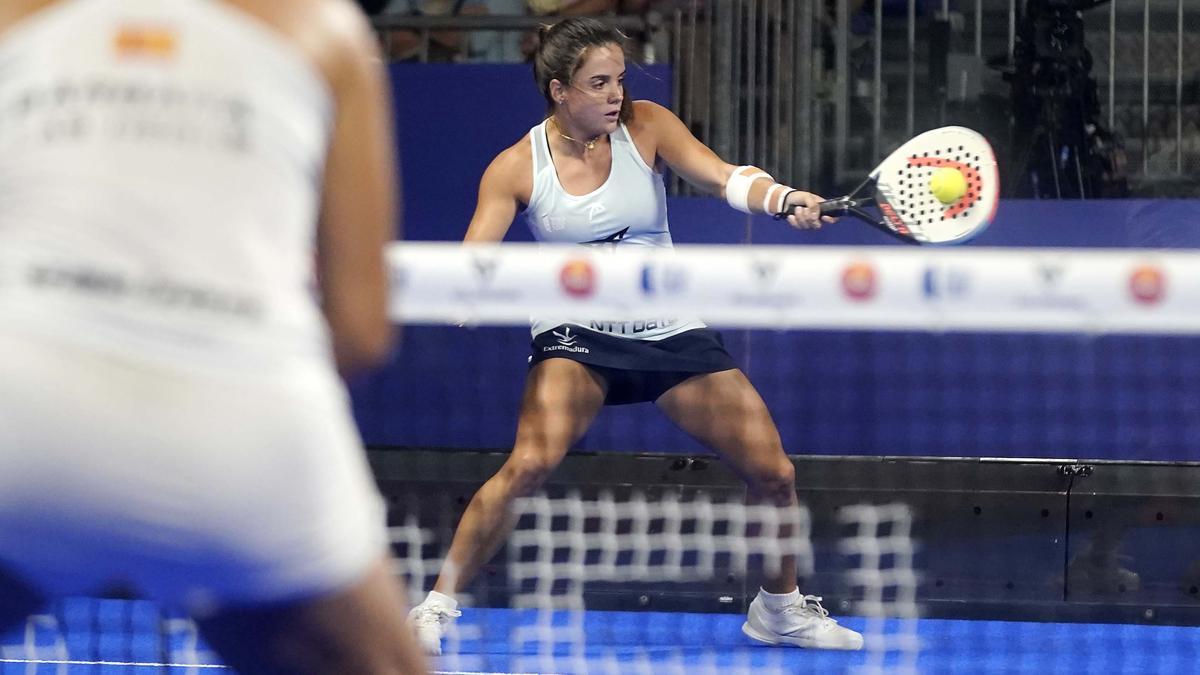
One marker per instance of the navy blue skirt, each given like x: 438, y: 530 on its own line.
x: 635, y: 370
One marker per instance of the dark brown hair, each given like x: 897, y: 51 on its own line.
x: 561, y: 49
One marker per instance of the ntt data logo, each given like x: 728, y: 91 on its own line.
x: 858, y: 281
x: 577, y: 278
x: 1147, y: 284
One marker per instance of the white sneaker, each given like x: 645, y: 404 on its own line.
x: 429, y: 620
x: 803, y: 624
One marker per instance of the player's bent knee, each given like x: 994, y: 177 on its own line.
x: 526, y: 472
x: 777, y: 480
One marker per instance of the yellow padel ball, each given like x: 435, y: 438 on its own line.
x: 948, y: 185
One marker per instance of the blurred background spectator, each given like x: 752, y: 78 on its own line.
x: 444, y: 45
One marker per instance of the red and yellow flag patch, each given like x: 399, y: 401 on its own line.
x: 155, y: 42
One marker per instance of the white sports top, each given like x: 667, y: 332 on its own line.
x: 160, y: 173
x: 629, y: 209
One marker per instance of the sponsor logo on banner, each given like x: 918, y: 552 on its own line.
x: 485, y: 268
x: 1147, y: 284
x: 765, y: 271
x: 1049, y: 290
x: 945, y: 282
x: 765, y: 274
x: 858, y: 281
x: 484, y: 272
x: 577, y: 278
x: 566, y: 343
x: 1050, y: 274
x: 663, y: 279
x: 397, y: 278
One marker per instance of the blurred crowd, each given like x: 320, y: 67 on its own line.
x: 509, y: 46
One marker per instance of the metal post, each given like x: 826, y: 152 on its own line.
x: 1179, y: 92
x: 1112, y: 64
x: 723, y: 79
x: 711, y: 73
x: 979, y: 28
x: 750, y: 90
x: 804, y: 150
x: 877, y: 87
x: 841, y: 91
x: 681, y: 98
x: 910, y: 115
x: 777, y: 95
x: 736, y: 82
x: 768, y: 92
x: 1012, y: 27
x: 1146, y: 87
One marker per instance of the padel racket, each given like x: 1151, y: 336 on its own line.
x: 908, y: 208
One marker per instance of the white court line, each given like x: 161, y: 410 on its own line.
x: 132, y: 664
x: 478, y: 673
x: 140, y: 664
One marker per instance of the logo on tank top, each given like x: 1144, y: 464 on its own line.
x: 577, y: 278
x: 596, y: 210
x: 611, y: 240
x: 152, y: 42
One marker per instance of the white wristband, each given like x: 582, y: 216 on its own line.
x: 771, y: 195
x: 737, y: 188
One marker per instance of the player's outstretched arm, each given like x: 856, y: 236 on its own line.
x: 746, y: 188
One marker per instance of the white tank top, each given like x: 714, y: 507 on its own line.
x: 629, y: 209
x: 160, y: 173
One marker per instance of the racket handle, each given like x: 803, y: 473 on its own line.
x: 831, y: 207
x: 836, y: 207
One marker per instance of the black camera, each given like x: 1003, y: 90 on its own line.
x: 1062, y: 149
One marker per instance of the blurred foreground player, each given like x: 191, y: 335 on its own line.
x: 171, y: 415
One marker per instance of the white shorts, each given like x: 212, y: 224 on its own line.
x: 199, y: 491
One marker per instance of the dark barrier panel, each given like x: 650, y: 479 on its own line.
x: 1028, y: 540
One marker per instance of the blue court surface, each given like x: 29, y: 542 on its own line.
x: 132, y: 638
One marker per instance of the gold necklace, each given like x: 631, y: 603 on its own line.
x: 587, y: 145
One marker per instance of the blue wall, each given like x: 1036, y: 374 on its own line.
x: 836, y: 392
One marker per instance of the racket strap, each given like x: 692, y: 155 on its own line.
x: 784, y: 209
